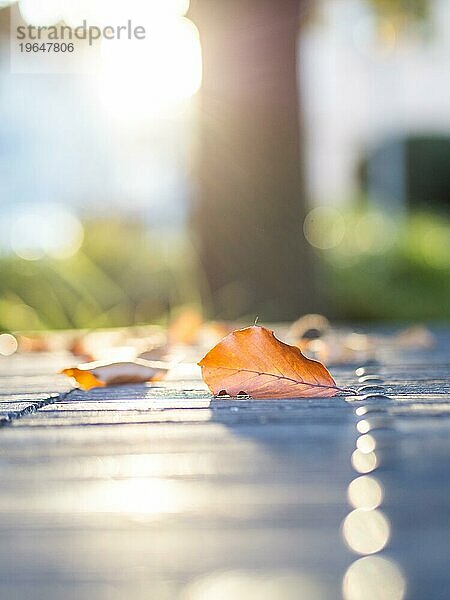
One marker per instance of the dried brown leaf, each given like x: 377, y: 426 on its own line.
x: 254, y: 361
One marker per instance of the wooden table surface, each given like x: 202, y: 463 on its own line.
x: 160, y: 492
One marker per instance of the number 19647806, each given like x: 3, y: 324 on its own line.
x: 46, y: 47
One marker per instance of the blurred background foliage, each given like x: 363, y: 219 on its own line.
x: 389, y: 268
x: 377, y: 266
x: 121, y: 275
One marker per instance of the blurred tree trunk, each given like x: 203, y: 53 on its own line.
x: 249, y: 210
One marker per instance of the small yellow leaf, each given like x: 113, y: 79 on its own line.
x: 85, y: 379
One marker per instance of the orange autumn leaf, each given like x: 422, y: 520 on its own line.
x: 184, y: 328
x: 254, y: 361
x: 90, y: 375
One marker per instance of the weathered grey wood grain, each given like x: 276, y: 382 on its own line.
x: 160, y: 492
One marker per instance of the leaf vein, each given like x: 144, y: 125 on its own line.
x: 303, y: 382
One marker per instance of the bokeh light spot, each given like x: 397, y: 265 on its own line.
x: 366, y: 531
x: 366, y: 443
x: 365, y: 492
x: 364, y: 462
x: 324, y: 227
x: 45, y: 229
x: 8, y: 344
x: 374, y: 233
x: 373, y: 578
